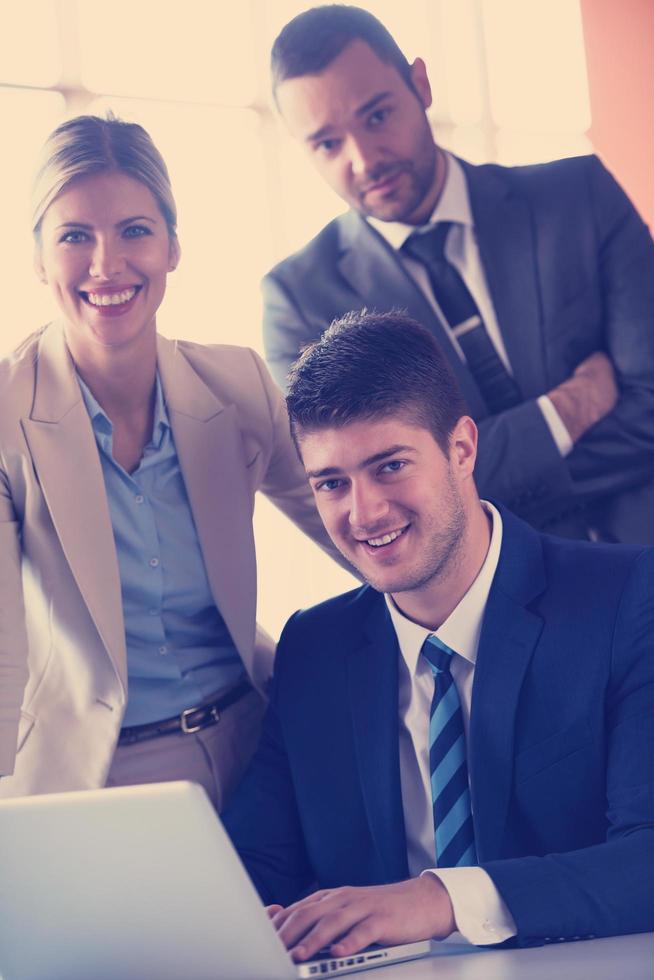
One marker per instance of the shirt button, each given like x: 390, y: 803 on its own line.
x: 139, y: 498
x: 153, y: 612
x: 153, y: 562
x: 163, y: 650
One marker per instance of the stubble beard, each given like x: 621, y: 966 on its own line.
x: 421, y: 171
x: 442, y: 555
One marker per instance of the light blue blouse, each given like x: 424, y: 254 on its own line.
x: 179, y: 650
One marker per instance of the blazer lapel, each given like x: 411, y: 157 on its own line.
x: 211, y: 457
x: 373, y: 270
x: 509, y: 635
x: 373, y: 689
x: 505, y: 236
x: 65, y: 456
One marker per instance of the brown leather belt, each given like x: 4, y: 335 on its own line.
x: 191, y: 719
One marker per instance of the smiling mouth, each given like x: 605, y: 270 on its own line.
x: 385, y: 539
x: 119, y: 297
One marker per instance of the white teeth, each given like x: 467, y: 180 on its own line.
x: 112, y: 299
x: 386, y: 539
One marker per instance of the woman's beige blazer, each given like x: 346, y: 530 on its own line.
x: 63, y: 671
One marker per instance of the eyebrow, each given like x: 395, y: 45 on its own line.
x: 319, y: 133
x: 119, y: 224
x: 136, y: 217
x: 361, y: 111
x: 371, y: 103
x: 375, y: 458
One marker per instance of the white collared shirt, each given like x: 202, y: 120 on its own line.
x: 462, y: 251
x: 481, y: 915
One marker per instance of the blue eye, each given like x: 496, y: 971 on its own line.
x: 377, y: 117
x: 329, y: 485
x: 74, y: 237
x: 136, y: 231
x: 394, y: 466
x: 327, y: 146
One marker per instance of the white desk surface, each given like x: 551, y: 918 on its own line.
x: 621, y: 958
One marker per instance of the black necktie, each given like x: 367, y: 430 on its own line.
x: 460, y: 310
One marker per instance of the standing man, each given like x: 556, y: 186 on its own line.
x: 466, y: 742
x: 537, y: 282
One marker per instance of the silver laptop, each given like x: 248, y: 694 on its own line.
x: 138, y: 883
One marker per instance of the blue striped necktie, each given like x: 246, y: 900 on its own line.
x: 450, y: 792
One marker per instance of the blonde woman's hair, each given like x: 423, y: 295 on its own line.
x: 87, y: 145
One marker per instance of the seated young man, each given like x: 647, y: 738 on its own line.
x: 467, y: 741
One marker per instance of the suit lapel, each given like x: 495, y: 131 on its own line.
x: 65, y: 456
x: 505, y: 237
x: 372, y: 269
x: 210, y: 453
x: 373, y: 690
x: 509, y: 636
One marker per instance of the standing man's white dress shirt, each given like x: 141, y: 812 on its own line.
x: 481, y: 915
x: 462, y: 252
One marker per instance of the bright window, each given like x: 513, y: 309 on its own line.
x: 28, y: 116
x: 30, y: 44
x: 182, y: 52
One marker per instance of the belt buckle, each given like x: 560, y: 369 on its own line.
x: 186, y: 728
x: 214, y: 715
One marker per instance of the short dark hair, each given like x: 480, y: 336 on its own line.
x: 374, y: 365
x: 313, y: 39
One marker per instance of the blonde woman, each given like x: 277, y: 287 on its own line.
x: 128, y: 467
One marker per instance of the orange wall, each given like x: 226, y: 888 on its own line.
x: 619, y: 37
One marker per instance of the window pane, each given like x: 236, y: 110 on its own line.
x: 216, y: 166
x: 28, y: 117
x: 460, y: 60
x: 474, y: 143
x: 537, y: 65
x: 29, y: 44
x: 516, y: 148
x: 194, y: 51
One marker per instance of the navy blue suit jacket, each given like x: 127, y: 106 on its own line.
x: 561, y: 744
x: 570, y: 270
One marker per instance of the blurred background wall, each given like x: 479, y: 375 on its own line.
x: 514, y: 82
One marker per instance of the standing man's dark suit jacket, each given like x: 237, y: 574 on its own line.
x: 561, y: 744
x: 570, y: 269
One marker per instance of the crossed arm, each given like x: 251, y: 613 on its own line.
x: 606, y: 402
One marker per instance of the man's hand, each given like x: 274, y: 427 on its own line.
x: 587, y: 396
x: 349, y: 919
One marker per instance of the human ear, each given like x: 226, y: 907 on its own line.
x: 463, y: 446
x: 39, y: 268
x: 420, y: 82
x: 174, y: 254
